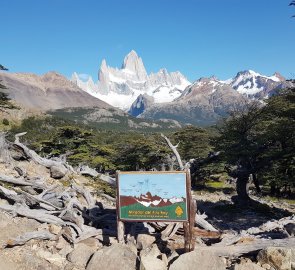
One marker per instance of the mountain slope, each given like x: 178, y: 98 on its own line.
x: 47, y: 92
x: 202, y: 103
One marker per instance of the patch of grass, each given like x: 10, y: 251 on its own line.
x: 216, y: 185
x: 104, y: 187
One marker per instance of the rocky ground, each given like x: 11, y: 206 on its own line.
x: 53, y: 218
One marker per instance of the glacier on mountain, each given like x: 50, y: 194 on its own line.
x: 121, y: 87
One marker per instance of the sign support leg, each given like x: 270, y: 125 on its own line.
x: 120, y: 231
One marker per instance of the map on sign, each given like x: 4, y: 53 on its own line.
x: 152, y: 196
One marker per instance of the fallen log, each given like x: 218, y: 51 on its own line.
x: 254, y: 246
x: 39, y: 215
x: 197, y: 232
x: 22, y: 239
x: 86, y: 194
x: 18, y: 181
x: 200, y: 220
x: 59, y: 166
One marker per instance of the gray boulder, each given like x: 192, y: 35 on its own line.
x: 81, y: 255
x: 198, y: 260
x: 115, y: 257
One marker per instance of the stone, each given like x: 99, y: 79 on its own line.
x: 55, y: 259
x: 151, y: 263
x: 165, y: 259
x: 61, y: 243
x: 173, y: 256
x: 92, y: 242
x: 248, y: 266
x: 266, y: 266
x: 65, y: 251
x: 149, y: 259
x: 58, y: 172
x: 144, y: 241
x: 277, y: 257
x: 117, y: 256
x: 198, y: 260
x: 81, y: 255
x: 290, y: 228
x: 55, y: 229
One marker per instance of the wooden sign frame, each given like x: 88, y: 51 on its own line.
x: 188, y: 223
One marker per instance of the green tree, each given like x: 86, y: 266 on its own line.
x: 238, y: 141
x: 259, y: 141
x: 5, y: 102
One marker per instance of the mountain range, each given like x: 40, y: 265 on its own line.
x: 121, y: 86
x: 165, y: 95
x: 130, y: 97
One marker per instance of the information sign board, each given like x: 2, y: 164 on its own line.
x: 152, y: 196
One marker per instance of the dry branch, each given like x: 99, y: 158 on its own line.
x: 22, y: 239
x: 255, y: 246
x: 174, y: 149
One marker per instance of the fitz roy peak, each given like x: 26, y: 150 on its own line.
x: 121, y: 87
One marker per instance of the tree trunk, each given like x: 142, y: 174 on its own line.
x: 256, y: 182
x: 242, y: 188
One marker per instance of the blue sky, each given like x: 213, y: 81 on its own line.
x: 164, y: 185
x: 197, y: 37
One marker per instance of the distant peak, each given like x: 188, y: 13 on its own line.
x: 103, y: 64
x: 52, y: 74
x: 133, y: 63
x: 248, y: 72
x: 279, y: 76
x: 133, y: 53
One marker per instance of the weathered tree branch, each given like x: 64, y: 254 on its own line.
x: 174, y: 149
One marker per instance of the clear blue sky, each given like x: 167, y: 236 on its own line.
x: 197, y: 37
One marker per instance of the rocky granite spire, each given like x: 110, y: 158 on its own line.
x: 132, y: 62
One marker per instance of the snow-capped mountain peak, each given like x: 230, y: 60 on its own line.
x: 121, y: 87
x: 133, y: 63
x: 251, y: 83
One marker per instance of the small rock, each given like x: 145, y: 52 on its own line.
x: 61, y: 243
x: 277, y: 257
x: 80, y: 255
x: 58, y: 172
x: 65, y: 251
x: 92, y: 242
x: 71, y: 266
x: 115, y: 257
x: 55, y: 229
x: 248, y: 266
x: 266, y: 266
x: 55, y: 259
x: 290, y: 228
x: 152, y: 251
x: 145, y: 240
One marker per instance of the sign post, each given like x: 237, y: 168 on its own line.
x: 148, y: 196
